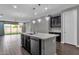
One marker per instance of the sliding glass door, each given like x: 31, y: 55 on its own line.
x: 12, y: 29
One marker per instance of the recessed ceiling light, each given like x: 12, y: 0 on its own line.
x: 14, y: 6
x: 35, y: 13
x: 46, y: 8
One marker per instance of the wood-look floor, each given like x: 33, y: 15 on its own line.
x: 11, y: 45
x: 66, y: 49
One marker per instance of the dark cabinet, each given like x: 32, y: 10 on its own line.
x: 55, y: 21
x: 25, y: 42
x: 58, y: 39
x: 28, y: 43
x: 32, y: 45
x: 22, y: 40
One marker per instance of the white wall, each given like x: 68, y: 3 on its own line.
x: 78, y: 27
x: 42, y: 27
x: 28, y: 27
x: 23, y: 27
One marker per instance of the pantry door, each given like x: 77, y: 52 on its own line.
x: 70, y: 27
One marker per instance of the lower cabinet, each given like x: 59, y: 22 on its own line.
x: 28, y: 43
x: 58, y: 39
x: 22, y: 40
x: 32, y: 45
x: 36, y: 46
x: 25, y: 42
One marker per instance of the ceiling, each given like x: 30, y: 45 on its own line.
x: 27, y: 12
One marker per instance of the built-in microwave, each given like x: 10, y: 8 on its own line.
x: 55, y: 21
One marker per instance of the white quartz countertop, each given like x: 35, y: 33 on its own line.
x: 41, y: 35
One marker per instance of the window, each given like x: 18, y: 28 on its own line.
x: 12, y: 28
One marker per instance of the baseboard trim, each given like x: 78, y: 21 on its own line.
x: 72, y: 45
x: 62, y: 42
x: 77, y: 45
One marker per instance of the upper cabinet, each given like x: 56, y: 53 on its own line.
x: 55, y: 21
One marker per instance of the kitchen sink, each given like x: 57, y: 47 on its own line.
x: 31, y: 33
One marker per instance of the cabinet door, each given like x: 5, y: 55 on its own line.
x: 22, y: 39
x: 69, y: 26
x: 35, y: 46
x: 28, y: 43
x: 58, y: 38
x: 25, y: 41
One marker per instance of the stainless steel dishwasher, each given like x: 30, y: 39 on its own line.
x: 35, y: 46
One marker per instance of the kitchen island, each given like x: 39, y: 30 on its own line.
x: 39, y: 43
